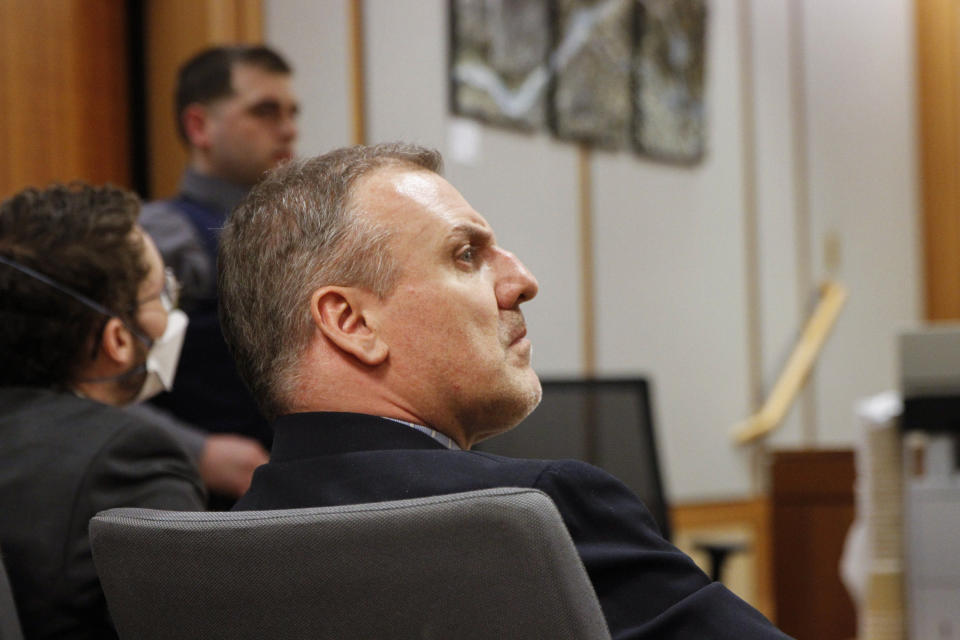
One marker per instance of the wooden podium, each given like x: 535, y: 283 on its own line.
x: 812, y: 507
x: 811, y: 499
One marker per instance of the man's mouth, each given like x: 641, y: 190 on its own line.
x: 520, y: 335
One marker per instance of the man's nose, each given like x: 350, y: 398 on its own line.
x: 515, y: 283
x: 289, y: 129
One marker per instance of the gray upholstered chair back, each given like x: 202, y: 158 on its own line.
x: 496, y: 563
x: 9, y: 621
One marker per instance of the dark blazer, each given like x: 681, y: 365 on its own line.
x: 63, y: 459
x: 646, y: 587
x: 207, y: 391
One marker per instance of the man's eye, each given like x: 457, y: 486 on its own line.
x: 266, y: 111
x: 467, y: 255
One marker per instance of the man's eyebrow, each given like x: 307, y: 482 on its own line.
x: 473, y: 232
x: 272, y: 103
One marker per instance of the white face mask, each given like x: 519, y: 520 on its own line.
x: 164, y: 352
x: 163, y: 356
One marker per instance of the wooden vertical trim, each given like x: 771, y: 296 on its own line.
x: 103, y: 119
x: 249, y: 21
x: 751, y: 229
x: 801, y: 181
x: 358, y: 81
x: 221, y: 21
x: 173, y: 30
x: 591, y: 435
x: 234, y: 21
x: 585, y: 183
x: 750, y: 214
x: 8, y: 183
x: 938, y: 98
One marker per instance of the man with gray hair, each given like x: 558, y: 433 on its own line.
x: 378, y: 324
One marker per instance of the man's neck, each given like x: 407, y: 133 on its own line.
x: 201, y: 167
x: 216, y: 192
x: 103, y: 392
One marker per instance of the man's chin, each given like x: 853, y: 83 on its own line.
x: 514, y: 400
x: 537, y: 391
x: 530, y: 391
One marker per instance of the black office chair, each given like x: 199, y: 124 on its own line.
x: 608, y: 423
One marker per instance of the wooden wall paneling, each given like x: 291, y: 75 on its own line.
x: 174, y: 30
x: 938, y: 101
x: 6, y: 98
x: 234, y: 21
x: 63, y: 93
x: 812, y: 508
x: 248, y: 20
x: 102, y: 70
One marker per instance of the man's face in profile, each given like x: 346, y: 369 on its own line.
x: 253, y: 130
x: 457, y: 337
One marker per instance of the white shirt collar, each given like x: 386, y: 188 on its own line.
x: 442, y: 438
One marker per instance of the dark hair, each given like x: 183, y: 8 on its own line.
x: 82, y: 238
x: 207, y: 76
x: 296, y: 231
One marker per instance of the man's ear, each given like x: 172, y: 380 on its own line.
x: 342, y: 315
x: 117, y: 343
x: 196, y: 119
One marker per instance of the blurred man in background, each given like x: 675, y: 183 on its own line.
x: 236, y: 112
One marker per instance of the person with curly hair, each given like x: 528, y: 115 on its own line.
x: 87, y: 325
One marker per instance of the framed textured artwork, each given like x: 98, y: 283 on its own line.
x: 499, y: 60
x: 591, y: 95
x: 668, y: 66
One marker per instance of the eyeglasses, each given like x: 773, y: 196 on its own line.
x: 169, y: 295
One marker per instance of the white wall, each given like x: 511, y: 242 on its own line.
x: 314, y: 37
x: 670, y: 250
x: 863, y: 188
x: 671, y: 287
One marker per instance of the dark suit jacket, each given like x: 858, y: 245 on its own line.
x: 207, y: 391
x: 63, y: 459
x: 646, y: 587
